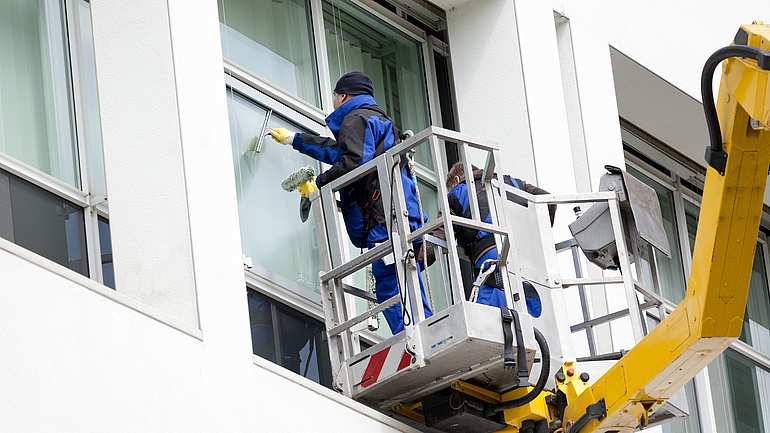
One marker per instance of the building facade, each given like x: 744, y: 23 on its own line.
x: 155, y: 277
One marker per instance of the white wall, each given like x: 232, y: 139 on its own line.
x: 77, y: 361
x: 143, y: 161
x: 674, y: 39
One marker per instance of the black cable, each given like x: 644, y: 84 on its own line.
x: 716, y: 157
x: 545, y: 369
x: 406, y: 318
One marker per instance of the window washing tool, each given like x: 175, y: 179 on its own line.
x: 291, y: 183
x: 255, y: 145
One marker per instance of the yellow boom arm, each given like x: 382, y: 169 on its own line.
x: 710, y: 317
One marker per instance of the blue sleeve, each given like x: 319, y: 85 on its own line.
x: 323, y: 149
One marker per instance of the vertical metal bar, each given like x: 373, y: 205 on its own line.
x: 319, y: 37
x: 497, y: 214
x: 662, y: 313
x: 625, y: 269
x: 329, y: 203
x: 434, y: 102
x: 473, y: 201
x: 635, y: 248
x: 455, y: 274
x: 583, y: 300
x: 383, y: 174
x: 331, y: 316
x: 92, y: 251
x: 402, y: 223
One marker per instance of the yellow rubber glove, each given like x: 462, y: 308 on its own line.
x: 305, y: 188
x: 282, y: 135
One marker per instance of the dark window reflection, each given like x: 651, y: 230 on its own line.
x: 105, y: 244
x: 289, y: 339
x: 745, y: 386
x: 42, y: 222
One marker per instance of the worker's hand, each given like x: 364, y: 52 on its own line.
x: 282, y: 135
x: 305, y: 188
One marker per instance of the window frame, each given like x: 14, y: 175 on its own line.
x: 311, y: 117
x: 93, y: 207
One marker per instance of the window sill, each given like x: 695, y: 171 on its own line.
x: 751, y: 353
x: 100, y: 289
x: 331, y: 395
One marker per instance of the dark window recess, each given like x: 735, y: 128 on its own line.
x: 42, y: 223
x: 105, y: 243
x: 647, y: 160
x: 289, y: 339
x: 692, y: 187
x: 742, y: 376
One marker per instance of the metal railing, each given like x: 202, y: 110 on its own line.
x: 341, y: 320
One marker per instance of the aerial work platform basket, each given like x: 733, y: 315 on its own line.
x: 463, y: 341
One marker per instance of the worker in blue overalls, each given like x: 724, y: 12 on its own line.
x: 362, y: 131
x: 480, y: 245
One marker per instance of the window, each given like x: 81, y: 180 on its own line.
x: 282, y: 60
x: 756, y: 321
x: 670, y: 270
x: 52, y: 187
x: 359, y: 41
x: 272, y: 234
x: 36, y: 99
x: 274, y: 40
x: 42, y: 222
x: 289, y: 339
x: 739, y: 380
x: 741, y: 391
x: 105, y: 242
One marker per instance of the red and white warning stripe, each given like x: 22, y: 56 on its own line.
x: 383, y: 364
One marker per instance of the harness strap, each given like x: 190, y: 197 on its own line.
x: 509, y: 360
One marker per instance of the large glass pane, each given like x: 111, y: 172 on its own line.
x: 274, y: 40
x: 105, y: 243
x: 289, y: 339
x: 358, y: 41
x: 756, y: 321
x: 303, y: 347
x: 42, y: 222
x: 670, y: 270
x: 91, y: 115
x: 272, y: 233
x: 36, y: 109
x: 749, y: 387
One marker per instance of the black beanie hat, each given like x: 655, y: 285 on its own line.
x: 354, y: 83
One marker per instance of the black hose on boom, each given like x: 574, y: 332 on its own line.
x: 716, y: 157
x: 545, y: 369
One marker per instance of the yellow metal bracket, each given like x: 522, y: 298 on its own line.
x: 477, y: 392
x: 410, y: 410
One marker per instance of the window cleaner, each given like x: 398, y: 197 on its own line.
x: 293, y: 182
